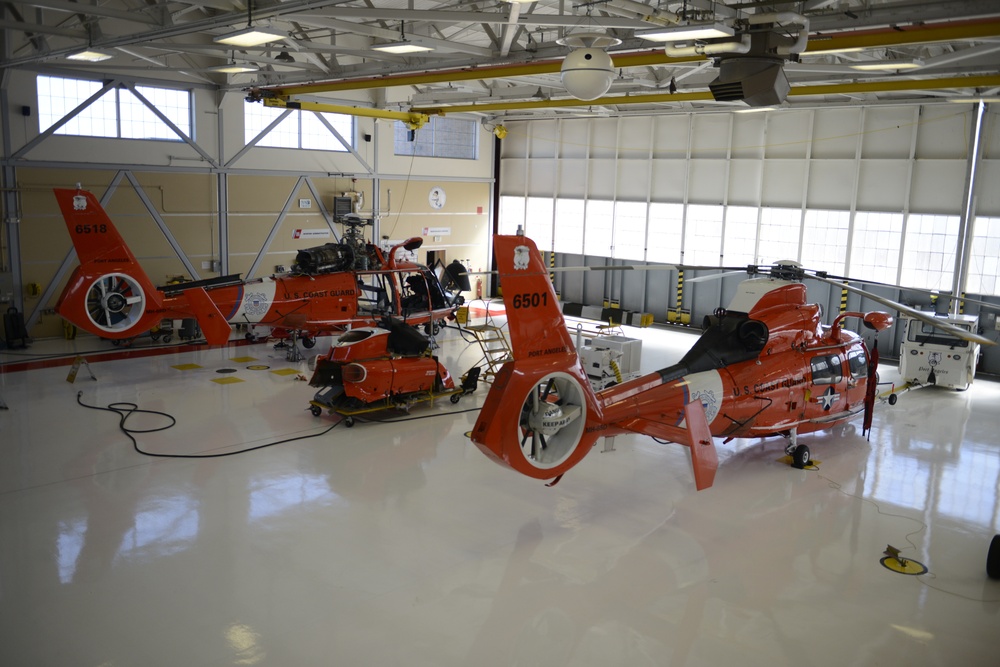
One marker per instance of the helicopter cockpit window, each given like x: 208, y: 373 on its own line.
x: 857, y: 361
x: 376, y: 294
x: 826, y: 369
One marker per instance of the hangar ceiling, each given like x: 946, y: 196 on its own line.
x: 502, y: 59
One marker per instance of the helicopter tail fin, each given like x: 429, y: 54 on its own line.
x: 109, y: 294
x: 541, y: 416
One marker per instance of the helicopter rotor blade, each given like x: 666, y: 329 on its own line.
x: 912, y: 312
x: 930, y: 292
x: 715, y: 276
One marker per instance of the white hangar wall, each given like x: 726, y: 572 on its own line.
x: 872, y: 192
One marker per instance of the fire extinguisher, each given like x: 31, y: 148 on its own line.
x: 479, y: 287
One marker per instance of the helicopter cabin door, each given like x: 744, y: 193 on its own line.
x: 826, y: 393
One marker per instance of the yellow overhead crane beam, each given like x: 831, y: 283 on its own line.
x: 947, y: 32
x: 985, y: 81
x: 414, y: 120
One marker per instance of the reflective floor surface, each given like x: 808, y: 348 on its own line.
x: 401, y: 544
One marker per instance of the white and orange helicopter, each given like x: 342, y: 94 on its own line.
x: 331, y: 288
x: 764, y: 366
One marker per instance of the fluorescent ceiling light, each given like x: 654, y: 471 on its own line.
x: 681, y: 33
x: 519, y: 2
x: 887, y: 65
x: 234, y: 68
x: 89, y: 56
x: 250, y: 36
x: 973, y: 100
x: 822, y: 51
x: 401, y: 47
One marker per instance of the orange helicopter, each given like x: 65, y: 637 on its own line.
x: 330, y: 288
x: 764, y: 366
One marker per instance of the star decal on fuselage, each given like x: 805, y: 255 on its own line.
x: 828, y: 398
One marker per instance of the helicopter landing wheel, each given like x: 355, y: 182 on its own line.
x: 455, y: 398
x: 315, y: 410
x: 348, y: 421
x: 308, y: 342
x: 800, y: 457
x: 893, y: 398
x: 993, y: 558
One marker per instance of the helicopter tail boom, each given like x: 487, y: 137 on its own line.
x: 541, y: 416
x: 109, y: 294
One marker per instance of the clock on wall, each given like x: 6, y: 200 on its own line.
x: 436, y: 197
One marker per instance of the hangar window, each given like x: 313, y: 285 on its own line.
x: 666, y: 222
x: 598, y: 227
x: 568, y: 236
x: 929, y: 251
x: 739, y: 242
x: 439, y: 137
x: 824, y: 240
x: 780, y: 229
x: 703, y: 235
x: 117, y: 113
x: 630, y: 230
x: 538, y: 221
x: 511, y: 214
x: 984, y: 264
x: 308, y: 130
x: 875, y: 246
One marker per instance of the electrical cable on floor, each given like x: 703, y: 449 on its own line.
x: 125, y: 409
x: 840, y: 488
x: 923, y: 526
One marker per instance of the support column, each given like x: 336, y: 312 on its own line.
x: 964, y: 245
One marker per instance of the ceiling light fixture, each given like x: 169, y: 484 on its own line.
x: 402, y: 46
x: 284, y: 57
x: 886, y: 65
x: 89, y: 56
x: 234, y: 68
x: 973, y: 100
x: 250, y: 36
x: 687, y: 31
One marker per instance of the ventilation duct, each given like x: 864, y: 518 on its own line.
x: 760, y: 82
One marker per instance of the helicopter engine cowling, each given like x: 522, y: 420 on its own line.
x: 538, y: 421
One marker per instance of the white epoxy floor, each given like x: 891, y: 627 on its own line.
x: 401, y: 544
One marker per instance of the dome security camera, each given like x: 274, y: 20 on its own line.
x: 587, y: 73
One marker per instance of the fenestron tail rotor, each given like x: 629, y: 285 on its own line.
x: 115, y: 302
x: 553, y: 417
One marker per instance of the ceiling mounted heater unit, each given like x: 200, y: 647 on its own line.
x: 759, y: 82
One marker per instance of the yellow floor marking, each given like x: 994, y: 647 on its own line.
x: 186, y: 367
x: 243, y: 360
x: 229, y: 380
x: 286, y: 371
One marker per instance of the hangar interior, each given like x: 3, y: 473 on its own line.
x: 869, y: 151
